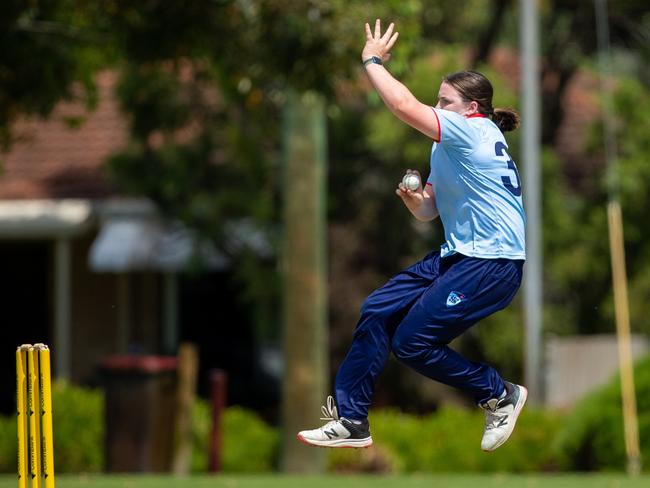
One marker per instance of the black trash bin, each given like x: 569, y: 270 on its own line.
x: 139, y: 410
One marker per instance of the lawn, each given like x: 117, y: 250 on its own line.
x: 329, y: 481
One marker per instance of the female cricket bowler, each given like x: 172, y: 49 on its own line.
x: 474, y: 187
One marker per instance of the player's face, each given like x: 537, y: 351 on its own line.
x: 450, y: 99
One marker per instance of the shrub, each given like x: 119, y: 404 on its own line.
x: 78, y: 416
x: 249, y: 444
x: 201, y: 425
x: 449, y: 441
x: 592, y: 437
x: 8, y: 444
x: 78, y: 431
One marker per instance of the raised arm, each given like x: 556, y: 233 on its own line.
x: 395, y: 95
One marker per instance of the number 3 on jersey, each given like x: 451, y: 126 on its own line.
x: 500, y: 150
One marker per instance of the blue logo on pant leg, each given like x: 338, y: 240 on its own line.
x: 454, y: 298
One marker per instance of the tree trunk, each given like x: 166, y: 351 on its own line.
x: 490, y: 34
x: 305, y: 278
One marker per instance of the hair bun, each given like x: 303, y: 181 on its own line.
x: 506, y: 119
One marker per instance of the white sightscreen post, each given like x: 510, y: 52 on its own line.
x: 529, y: 34
x: 62, y: 303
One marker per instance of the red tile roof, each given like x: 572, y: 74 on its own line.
x: 582, y: 112
x: 52, y: 160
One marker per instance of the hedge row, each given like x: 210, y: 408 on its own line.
x: 79, y: 435
x: 449, y: 441
x: 592, y: 436
x: 78, y: 431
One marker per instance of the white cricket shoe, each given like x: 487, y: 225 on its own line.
x: 501, y: 416
x: 338, y: 432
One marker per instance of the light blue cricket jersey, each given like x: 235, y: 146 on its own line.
x: 478, y: 190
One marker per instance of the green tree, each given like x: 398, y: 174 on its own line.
x: 50, y: 52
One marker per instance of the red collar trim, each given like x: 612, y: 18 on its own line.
x: 477, y: 115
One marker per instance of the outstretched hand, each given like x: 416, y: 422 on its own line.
x: 377, y: 44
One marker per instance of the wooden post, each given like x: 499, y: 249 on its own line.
x: 305, y: 343
x: 617, y: 244
x: 188, y: 367
x: 218, y: 392
x: 621, y: 305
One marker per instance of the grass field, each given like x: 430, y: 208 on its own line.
x: 329, y: 481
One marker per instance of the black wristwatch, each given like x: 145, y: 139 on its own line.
x: 372, y: 60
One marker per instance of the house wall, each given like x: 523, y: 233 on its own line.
x: 577, y: 365
x: 97, y: 312
x: 93, y: 313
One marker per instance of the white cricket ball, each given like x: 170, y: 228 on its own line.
x: 411, y: 181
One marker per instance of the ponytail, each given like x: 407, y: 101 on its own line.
x: 506, y: 119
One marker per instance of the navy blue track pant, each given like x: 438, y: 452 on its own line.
x: 416, y: 315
